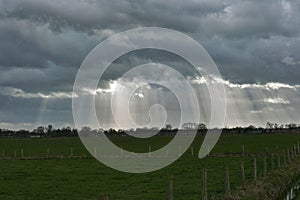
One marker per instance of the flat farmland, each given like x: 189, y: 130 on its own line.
x: 84, y: 177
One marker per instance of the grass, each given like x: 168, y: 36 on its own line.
x: 89, y: 179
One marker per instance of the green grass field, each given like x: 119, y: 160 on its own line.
x: 89, y: 179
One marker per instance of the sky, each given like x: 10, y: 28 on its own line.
x: 255, y: 45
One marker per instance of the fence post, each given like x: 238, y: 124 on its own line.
x: 298, y: 147
x: 149, y: 153
x: 288, y: 155
x: 272, y: 162
x: 104, y: 197
x: 284, y: 158
x: 15, y: 153
x: 255, y: 169
x: 204, y: 184
x: 22, y: 153
x: 192, y: 151
x: 167, y: 153
x: 292, y: 150
x: 243, y: 174
x: 265, y: 166
x: 278, y: 160
x: 227, y: 182
x: 208, y: 150
x: 267, y: 150
x: 170, y: 188
x: 243, y: 150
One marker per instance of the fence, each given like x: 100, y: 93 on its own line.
x: 281, y: 158
x: 271, y: 161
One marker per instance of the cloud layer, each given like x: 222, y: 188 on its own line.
x: 255, y: 44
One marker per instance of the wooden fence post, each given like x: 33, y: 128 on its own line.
x: 149, y: 153
x: 288, y: 155
x: 255, y: 169
x: 267, y: 150
x: 15, y: 153
x: 284, y: 158
x: 170, y: 188
x: 227, y: 182
x: 278, y: 160
x: 243, y: 150
x: 208, y: 150
x: 272, y: 162
x: 104, y: 197
x: 242, y: 174
x: 179, y: 151
x: 22, y: 153
x: 293, y: 152
x: 167, y: 153
x: 204, y: 184
x: 265, y: 166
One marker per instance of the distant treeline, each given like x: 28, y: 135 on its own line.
x: 201, y: 129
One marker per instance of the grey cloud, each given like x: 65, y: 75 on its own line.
x: 255, y: 19
x: 228, y: 18
x: 42, y: 44
x: 255, y: 60
x: 289, y: 61
x: 27, y: 45
x: 49, y: 79
x: 88, y: 15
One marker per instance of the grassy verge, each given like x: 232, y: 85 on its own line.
x: 274, y: 186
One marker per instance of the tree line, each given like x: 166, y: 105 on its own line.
x: 49, y: 131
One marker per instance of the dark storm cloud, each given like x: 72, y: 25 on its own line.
x: 139, y: 57
x: 255, y: 19
x: 113, y: 14
x: 242, y: 36
x: 43, y: 43
x: 50, y: 78
x: 227, y: 18
x: 25, y: 44
x: 250, y: 60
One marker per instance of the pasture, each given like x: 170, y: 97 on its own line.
x: 86, y: 178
